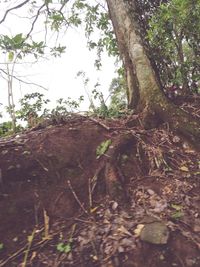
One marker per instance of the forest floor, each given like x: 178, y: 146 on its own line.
x: 89, y: 192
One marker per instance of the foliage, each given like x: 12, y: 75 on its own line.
x: 96, y: 95
x: 19, y: 47
x: 65, y: 248
x: 178, y: 211
x: 174, y: 47
x: 118, y: 92
x: 33, y: 111
x: 102, y: 109
x: 95, y: 17
x: 32, y: 106
x: 103, y: 147
x: 174, y: 36
x: 65, y: 107
x: 7, y: 129
x: 117, y: 96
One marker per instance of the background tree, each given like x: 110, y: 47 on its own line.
x: 174, y: 36
x: 118, y: 100
x: 20, y: 46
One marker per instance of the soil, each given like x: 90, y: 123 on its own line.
x: 81, y: 192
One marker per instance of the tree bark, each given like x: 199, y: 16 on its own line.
x: 144, y: 91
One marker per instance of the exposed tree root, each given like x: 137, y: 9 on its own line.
x: 114, y: 178
x: 144, y: 172
x: 162, y: 111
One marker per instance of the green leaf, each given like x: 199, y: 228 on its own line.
x: 184, y: 168
x: 176, y: 207
x: 18, y: 38
x: 66, y: 248
x: 11, y: 56
x: 102, y: 148
x: 177, y: 215
x: 59, y: 247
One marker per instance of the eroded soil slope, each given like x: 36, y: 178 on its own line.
x: 89, y: 192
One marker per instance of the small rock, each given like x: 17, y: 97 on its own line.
x: 162, y: 257
x: 26, y: 152
x: 155, y: 233
x: 114, y: 205
x: 150, y: 192
x: 176, y: 139
x: 15, y: 239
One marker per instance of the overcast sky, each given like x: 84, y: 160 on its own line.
x: 58, y: 75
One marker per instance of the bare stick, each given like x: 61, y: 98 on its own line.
x: 76, y: 198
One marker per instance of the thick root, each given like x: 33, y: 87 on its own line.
x: 114, y: 177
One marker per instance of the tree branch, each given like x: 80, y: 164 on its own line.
x: 34, y: 21
x: 12, y: 8
x: 25, y: 82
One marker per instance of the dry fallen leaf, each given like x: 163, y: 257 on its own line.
x: 123, y: 230
x: 138, y: 229
x: 184, y: 168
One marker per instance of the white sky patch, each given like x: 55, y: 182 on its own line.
x: 58, y: 75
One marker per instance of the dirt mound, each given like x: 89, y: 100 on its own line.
x: 90, y: 192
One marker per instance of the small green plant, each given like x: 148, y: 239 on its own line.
x: 102, y: 109
x: 32, y: 108
x: 65, y: 107
x: 102, y: 148
x: 7, y: 129
x: 178, y: 211
x: 64, y: 247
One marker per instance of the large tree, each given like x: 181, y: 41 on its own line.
x: 53, y: 172
x: 144, y: 90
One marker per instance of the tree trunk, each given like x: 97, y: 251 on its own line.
x: 178, y: 41
x: 144, y: 92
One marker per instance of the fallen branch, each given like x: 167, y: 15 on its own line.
x: 76, y: 198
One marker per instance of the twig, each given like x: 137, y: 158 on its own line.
x: 34, y: 21
x: 101, y: 124
x: 13, y: 256
x: 23, y: 81
x: 12, y: 8
x: 76, y: 198
x: 41, y: 164
x: 107, y: 127
x: 89, y: 190
x: 28, y: 248
x: 92, y: 183
x: 21, y: 251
